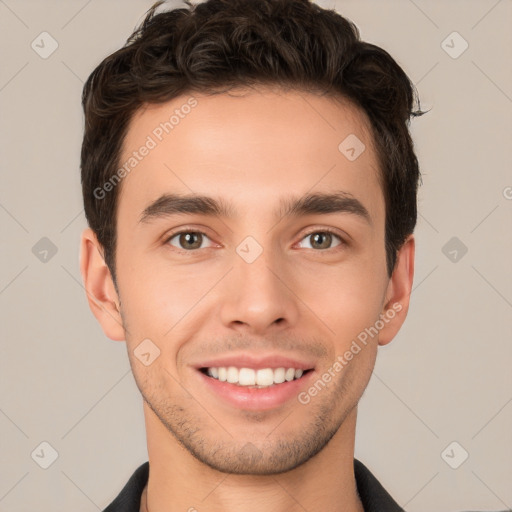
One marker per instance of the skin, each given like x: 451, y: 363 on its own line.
x: 251, y: 148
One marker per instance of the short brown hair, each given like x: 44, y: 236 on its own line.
x: 223, y: 44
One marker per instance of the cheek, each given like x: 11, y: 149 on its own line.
x: 347, y: 297
x: 158, y: 298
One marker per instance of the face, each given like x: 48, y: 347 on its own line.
x: 279, y: 265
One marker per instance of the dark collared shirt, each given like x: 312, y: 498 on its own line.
x: 373, y: 496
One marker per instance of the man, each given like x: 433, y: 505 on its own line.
x: 250, y: 186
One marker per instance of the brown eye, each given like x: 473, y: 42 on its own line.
x: 188, y: 240
x: 322, y: 240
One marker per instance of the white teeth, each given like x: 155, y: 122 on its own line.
x: 232, y: 375
x: 290, y: 374
x: 279, y: 375
x: 263, y: 377
x: 247, y: 377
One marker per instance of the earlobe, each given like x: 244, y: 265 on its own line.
x: 396, y: 304
x: 99, y: 286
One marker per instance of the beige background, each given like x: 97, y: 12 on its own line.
x: 445, y: 378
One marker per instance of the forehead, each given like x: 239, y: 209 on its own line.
x: 248, y: 146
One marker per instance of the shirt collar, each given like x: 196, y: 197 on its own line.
x: 373, y: 496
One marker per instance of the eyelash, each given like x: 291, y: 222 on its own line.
x: 342, y: 243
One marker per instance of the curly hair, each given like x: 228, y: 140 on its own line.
x: 218, y: 45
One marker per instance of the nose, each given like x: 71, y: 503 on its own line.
x: 259, y: 297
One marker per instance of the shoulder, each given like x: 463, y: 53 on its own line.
x: 371, y: 492
x: 128, y: 500
x: 373, y: 495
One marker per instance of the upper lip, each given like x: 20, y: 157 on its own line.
x: 256, y: 362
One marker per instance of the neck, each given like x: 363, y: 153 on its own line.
x: 178, y: 481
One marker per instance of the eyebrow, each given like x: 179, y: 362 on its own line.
x: 309, y: 204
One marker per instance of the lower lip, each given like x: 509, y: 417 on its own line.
x: 256, y: 399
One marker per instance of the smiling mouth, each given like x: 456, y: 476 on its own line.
x: 254, y: 378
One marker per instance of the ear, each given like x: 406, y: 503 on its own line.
x: 99, y: 286
x: 396, y: 302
